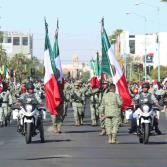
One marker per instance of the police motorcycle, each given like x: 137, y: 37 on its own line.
x: 146, y: 116
x: 129, y: 112
x: 29, y: 118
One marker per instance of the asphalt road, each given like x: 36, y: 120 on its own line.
x: 82, y: 147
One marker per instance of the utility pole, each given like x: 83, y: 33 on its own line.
x: 157, y: 34
x: 145, y: 50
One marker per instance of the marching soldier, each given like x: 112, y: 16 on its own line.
x: 6, y: 102
x: 103, y: 89
x: 110, y: 107
x: 77, y: 104
x: 94, y: 104
x: 57, y: 120
x: 67, y: 100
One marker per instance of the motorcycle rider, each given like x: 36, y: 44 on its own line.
x: 30, y: 94
x: 151, y: 100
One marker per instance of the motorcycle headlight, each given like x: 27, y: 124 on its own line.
x: 28, y: 108
x: 146, y: 108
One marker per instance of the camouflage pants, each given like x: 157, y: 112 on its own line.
x: 94, y: 112
x: 112, y: 125
x: 78, y: 111
x: 5, y: 112
x: 57, y: 120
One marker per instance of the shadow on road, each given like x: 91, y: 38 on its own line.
x: 51, y: 141
x: 82, y: 131
x: 150, y: 143
x: 41, y: 158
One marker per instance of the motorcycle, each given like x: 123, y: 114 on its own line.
x: 29, y: 120
x: 129, y: 113
x: 146, y: 116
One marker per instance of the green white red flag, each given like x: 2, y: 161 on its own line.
x: 53, y: 98
x: 111, y: 67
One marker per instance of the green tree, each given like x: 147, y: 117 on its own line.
x: 23, y: 65
x: 115, y: 35
x: 154, y: 72
x: 3, y: 55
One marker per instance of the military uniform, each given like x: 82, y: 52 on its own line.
x: 110, y: 107
x: 94, y: 105
x: 67, y: 100
x: 5, y: 111
x: 57, y: 120
x: 84, y: 89
x: 77, y: 104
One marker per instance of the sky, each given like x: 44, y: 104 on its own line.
x: 79, y: 22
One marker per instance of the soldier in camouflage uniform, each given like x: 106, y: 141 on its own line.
x: 111, y: 104
x: 84, y: 89
x: 77, y: 104
x: 94, y: 104
x: 57, y: 120
x: 67, y: 100
x: 103, y: 89
x: 6, y: 102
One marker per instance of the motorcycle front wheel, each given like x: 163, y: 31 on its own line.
x: 28, y: 133
x: 146, y: 133
x: 41, y: 131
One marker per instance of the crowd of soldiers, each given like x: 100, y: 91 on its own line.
x: 10, y: 91
x: 105, y: 104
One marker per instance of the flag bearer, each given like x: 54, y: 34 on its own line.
x: 111, y: 104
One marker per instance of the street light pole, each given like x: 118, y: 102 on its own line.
x: 157, y: 34
x: 145, y: 50
x: 158, y: 49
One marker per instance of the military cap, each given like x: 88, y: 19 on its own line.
x: 76, y: 83
x: 105, y: 82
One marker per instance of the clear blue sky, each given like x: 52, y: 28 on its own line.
x: 79, y: 21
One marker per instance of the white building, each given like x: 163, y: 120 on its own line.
x: 15, y: 42
x: 139, y: 45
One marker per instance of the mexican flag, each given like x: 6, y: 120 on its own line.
x: 53, y: 98
x: 111, y: 67
x: 5, y: 72
x: 95, y: 73
x: 56, y: 55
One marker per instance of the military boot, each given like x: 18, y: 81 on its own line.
x: 53, y: 129
x: 59, y: 128
x: 94, y: 122
x: 77, y: 123
x: 114, y: 139
x: 110, y: 139
x: 81, y: 121
x: 103, y: 132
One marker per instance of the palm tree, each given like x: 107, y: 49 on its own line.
x: 3, y: 56
x: 115, y: 35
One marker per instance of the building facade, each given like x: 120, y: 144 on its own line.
x: 15, y: 42
x: 151, y: 45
